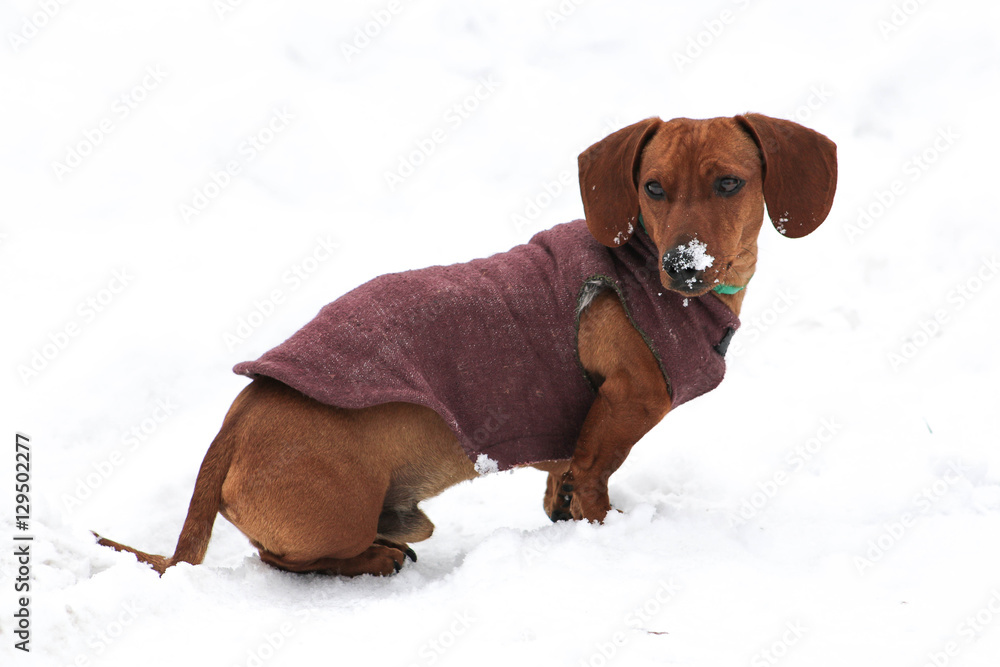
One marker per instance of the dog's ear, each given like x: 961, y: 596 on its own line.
x: 800, y: 172
x: 607, y: 182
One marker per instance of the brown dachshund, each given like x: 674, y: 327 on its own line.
x: 325, y: 482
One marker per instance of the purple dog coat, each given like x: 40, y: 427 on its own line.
x: 491, y: 345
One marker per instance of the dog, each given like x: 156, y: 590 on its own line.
x: 561, y: 353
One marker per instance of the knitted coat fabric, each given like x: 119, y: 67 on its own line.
x: 491, y: 344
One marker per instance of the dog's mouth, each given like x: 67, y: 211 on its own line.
x: 692, y: 288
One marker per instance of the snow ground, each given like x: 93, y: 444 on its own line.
x: 829, y: 504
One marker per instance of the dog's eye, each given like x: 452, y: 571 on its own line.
x: 728, y: 185
x: 655, y: 190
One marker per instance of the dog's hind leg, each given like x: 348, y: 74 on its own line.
x: 323, y: 489
x: 404, y: 524
x: 383, y: 557
x: 440, y: 463
x: 378, y: 559
x: 399, y: 525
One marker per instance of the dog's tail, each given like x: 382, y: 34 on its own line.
x: 205, y: 501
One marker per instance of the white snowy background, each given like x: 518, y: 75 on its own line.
x: 836, y: 501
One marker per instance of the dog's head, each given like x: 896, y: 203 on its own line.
x: 700, y: 187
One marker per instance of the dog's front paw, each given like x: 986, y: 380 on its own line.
x: 559, y: 498
x: 589, y: 500
x: 571, y: 498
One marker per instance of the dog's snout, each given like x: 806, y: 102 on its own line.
x: 686, y: 264
x: 679, y: 269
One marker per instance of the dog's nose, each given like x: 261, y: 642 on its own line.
x: 679, y: 271
x: 686, y: 264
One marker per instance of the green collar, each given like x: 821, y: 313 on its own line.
x: 728, y: 289
x: 718, y: 289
